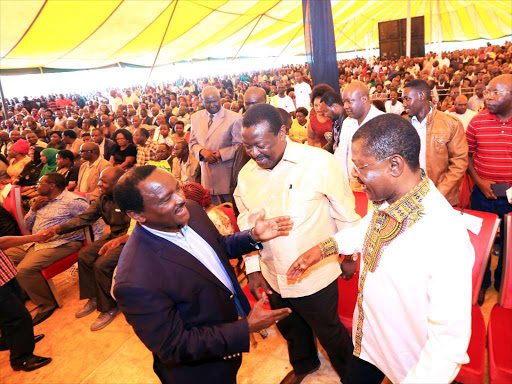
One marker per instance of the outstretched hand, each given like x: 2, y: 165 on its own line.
x: 260, y: 318
x: 303, y: 262
x: 269, y: 229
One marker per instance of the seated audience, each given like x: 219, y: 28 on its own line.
x: 95, y: 270
x: 125, y: 153
x: 90, y: 170
x: 55, y: 205
x: 146, y: 148
x: 185, y: 167
x: 72, y: 141
x: 66, y: 167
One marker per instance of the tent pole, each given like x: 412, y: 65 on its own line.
x: 430, y: 20
x: 440, y: 28
x: 408, y: 33
x: 4, y: 103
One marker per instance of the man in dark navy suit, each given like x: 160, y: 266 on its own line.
x: 176, y: 287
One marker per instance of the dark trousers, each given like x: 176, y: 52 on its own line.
x: 501, y: 207
x: 362, y: 372
x: 312, y: 315
x: 95, y: 273
x: 16, y: 323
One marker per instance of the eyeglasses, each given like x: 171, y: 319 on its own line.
x: 358, y: 169
x: 86, y: 150
x: 494, y: 93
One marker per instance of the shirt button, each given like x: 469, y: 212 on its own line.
x: 231, y: 297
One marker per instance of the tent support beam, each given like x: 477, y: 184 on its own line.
x: 320, y: 42
x: 408, y: 31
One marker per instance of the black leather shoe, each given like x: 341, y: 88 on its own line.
x: 34, y: 362
x: 42, y: 316
x: 37, y: 338
x: 292, y: 378
x: 481, y: 297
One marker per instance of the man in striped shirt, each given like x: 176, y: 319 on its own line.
x: 489, y: 136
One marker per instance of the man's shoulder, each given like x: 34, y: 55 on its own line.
x: 446, y: 117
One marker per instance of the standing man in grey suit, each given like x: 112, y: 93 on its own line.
x: 215, y: 136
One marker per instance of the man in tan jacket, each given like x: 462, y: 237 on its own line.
x: 444, y: 149
x: 89, y: 173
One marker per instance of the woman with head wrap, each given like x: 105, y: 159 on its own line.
x: 49, y: 159
x: 18, y: 159
x: 202, y: 196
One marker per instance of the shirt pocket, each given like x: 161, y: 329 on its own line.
x: 302, y: 205
x: 441, y: 141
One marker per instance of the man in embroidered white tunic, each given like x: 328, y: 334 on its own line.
x: 412, y: 320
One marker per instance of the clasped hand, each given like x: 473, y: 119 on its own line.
x: 211, y: 157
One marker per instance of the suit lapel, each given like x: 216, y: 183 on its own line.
x: 211, y: 239
x: 178, y: 255
x: 217, y: 121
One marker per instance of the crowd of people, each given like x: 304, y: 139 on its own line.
x: 159, y: 163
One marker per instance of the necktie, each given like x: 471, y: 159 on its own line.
x: 210, y: 122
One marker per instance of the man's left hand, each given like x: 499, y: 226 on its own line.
x: 271, y: 228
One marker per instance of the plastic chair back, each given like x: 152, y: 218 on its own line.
x: 12, y: 203
x: 482, y: 243
x: 505, y: 296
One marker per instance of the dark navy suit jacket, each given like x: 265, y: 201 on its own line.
x: 179, y: 309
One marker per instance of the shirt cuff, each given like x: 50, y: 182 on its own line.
x: 252, y: 264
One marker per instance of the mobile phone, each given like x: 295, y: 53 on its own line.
x: 500, y: 190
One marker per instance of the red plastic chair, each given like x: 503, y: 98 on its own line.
x: 347, y: 289
x: 473, y: 372
x: 12, y: 203
x: 227, y: 208
x: 251, y: 298
x: 499, y: 335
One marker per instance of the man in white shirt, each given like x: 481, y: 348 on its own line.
x: 288, y: 178
x: 462, y: 112
x: 357, y: 104
x: 302, y: 91
x: 282, y: 100
x: 476, y: 102
x: 412, y: 321
x: 130, y: 98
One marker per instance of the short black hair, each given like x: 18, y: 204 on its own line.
x: 390, y: 134
x: 70, y: 133
x: 66, y: 154
x: 127, y: 194
x: 263, y: 114
x: 126, y: 133
x: 319, y: 91
x: 421, y: 86
x: 58, y: 179
x: 331, y: 98
x: 379, y: 104
x: 55, y: 132
x: 285, y: 117
x: 302, y: 110
x: 179, y: 122
x: 144, y: 132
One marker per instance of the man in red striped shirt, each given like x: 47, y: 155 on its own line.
x: 489, y: 136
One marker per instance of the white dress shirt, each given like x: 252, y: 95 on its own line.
x: 344, y: 150
x: 191, y: 242
x: 285, y: 103
x: 417, y: 303
x: 397, y: 109
x: 306, y: 186
x: 421, y: 128
x: 465, y: 118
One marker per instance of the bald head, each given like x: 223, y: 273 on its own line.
x: 498, y: 100
x: 461, y: 104
x: 356, y: 100
x: 108, y: 179
x: 90, y: 151
x: 254, y: 95
x: 211, y: 99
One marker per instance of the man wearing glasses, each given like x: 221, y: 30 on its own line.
x: 89, y: 173
x: 444, y: 149
x: 55, y: 205
x: 489, y: 136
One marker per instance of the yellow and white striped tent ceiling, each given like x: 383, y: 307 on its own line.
x: 73, y: 34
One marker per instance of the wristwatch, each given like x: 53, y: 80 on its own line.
x: 254, y: 243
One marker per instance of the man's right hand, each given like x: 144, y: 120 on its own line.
x: 257, y: 282
x: 485, y: 187
x: 209, y: 156
x: 40, y: 201
x: 260, y: 318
